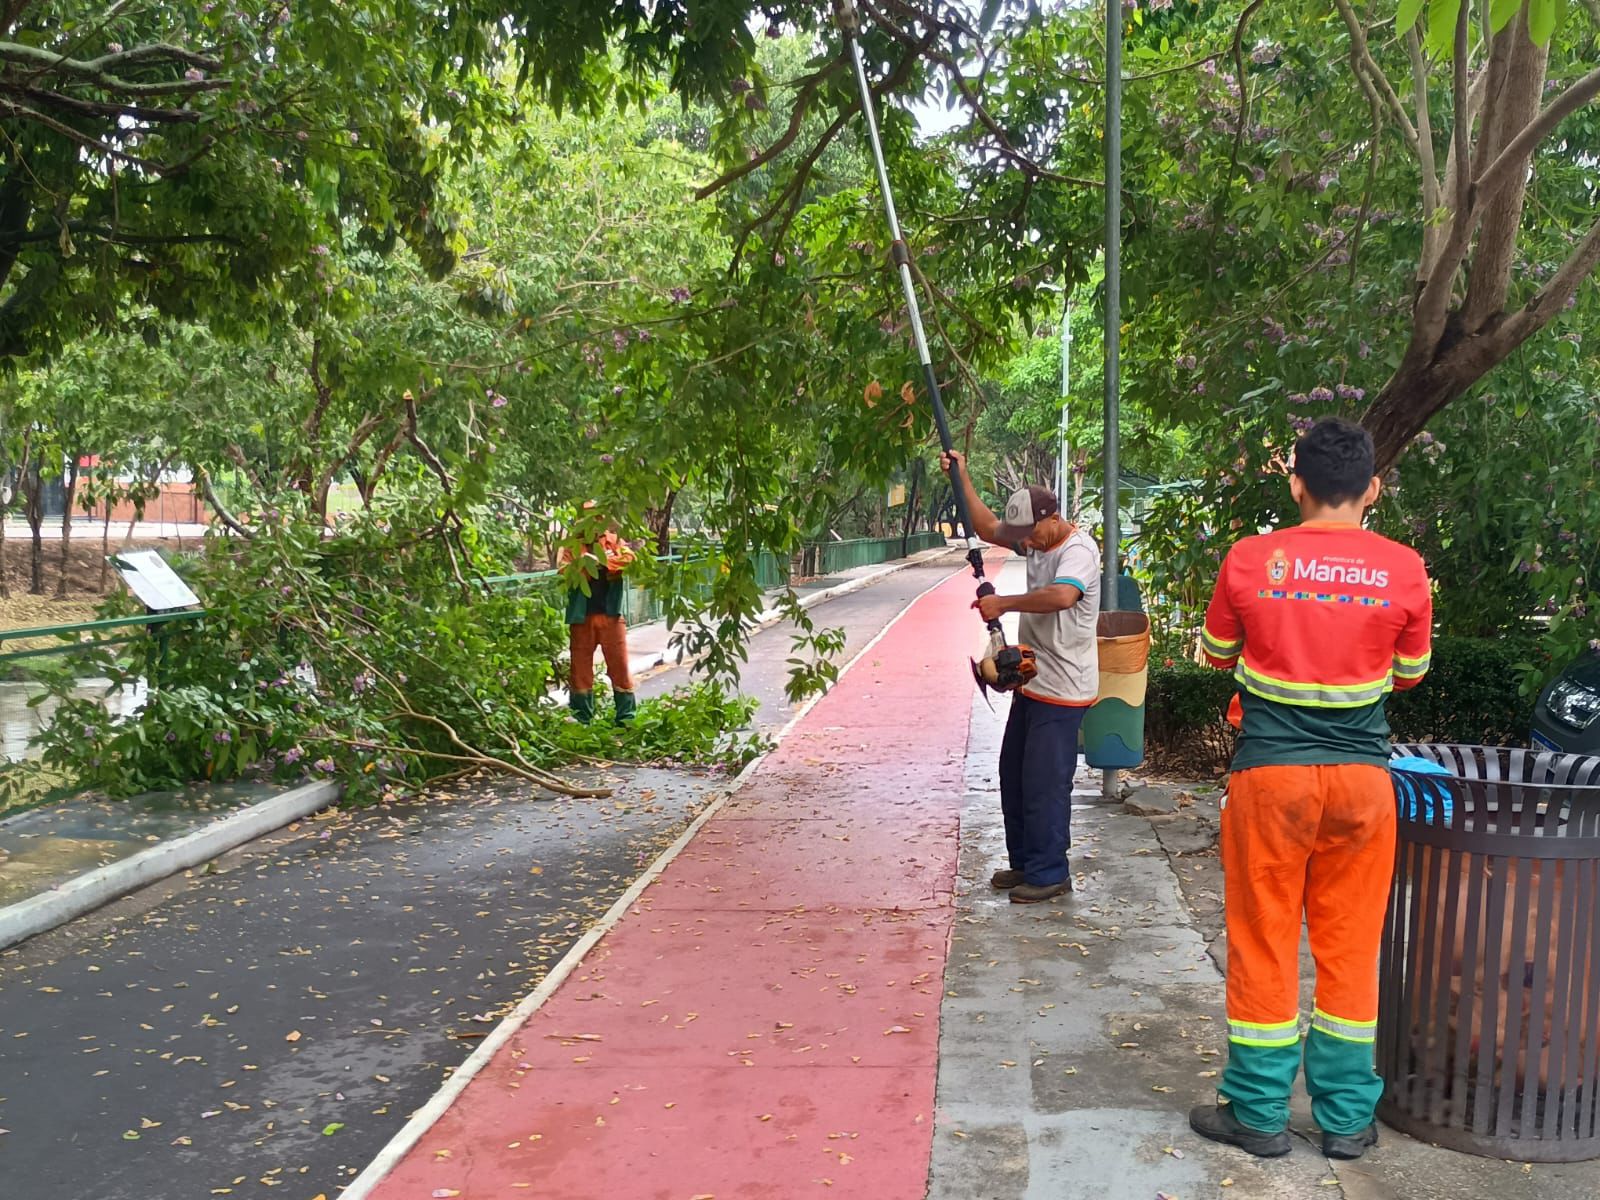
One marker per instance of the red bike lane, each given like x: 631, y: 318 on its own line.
x: 764, y: 1021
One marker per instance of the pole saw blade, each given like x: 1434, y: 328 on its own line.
x: 983, y: 684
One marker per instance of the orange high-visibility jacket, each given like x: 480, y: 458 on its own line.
x: 1321, y: 616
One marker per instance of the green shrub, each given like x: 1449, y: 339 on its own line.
x: 1186, y: 726
x: 1470, y: 696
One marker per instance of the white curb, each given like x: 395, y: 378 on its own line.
x: 361, y: 1187
x: 89, y: 891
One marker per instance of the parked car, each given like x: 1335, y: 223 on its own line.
x: 1567, y: 716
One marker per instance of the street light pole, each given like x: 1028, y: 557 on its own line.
x: 1113, y: 144
x: 1062, y: 467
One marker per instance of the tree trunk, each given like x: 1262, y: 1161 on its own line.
x: 70, y: 498
x: 5, y: 583
x: 33, y: 510
x: 1516, y: 86
x: 1405, y: 406
x: 660, y: 522
x: 105, y: 549
x: 911, y: 509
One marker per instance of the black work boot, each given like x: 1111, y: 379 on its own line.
x: 1347, y: 1147
x: 1005, y: 880
x: 1216, y: 1123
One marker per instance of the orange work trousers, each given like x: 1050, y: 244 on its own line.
x: 610, y: 634
x: 1311, y: 843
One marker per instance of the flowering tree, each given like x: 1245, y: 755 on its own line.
x: 1490, y: 107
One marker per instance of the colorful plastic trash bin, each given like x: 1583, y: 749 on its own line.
x: 1113, y: 728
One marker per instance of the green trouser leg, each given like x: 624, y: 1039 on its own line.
x: 1345, y: 1088
x: 627, y: 706
x: 582, y: 706
x: 1257, y: 1082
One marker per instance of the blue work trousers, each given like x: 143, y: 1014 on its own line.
x: 1038, y: 759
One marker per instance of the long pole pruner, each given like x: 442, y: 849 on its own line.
x: 850, y: 26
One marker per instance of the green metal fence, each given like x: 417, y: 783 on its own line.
x: 691, y: 576
x: 830, y: 558
x: 156, y: 623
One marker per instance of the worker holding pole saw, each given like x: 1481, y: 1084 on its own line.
x: 1053, y: 670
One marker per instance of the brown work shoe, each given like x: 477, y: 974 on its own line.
x: 1033, y: 893
x: 1005, y: 879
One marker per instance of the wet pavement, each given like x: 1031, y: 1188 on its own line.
x: 48, y: 846
x: 263, y: 1026
x: 21, y: 719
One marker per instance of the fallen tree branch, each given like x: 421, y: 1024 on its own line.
x: 211, y: 498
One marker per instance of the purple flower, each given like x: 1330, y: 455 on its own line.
x: 1275, y: 331
x: 325, y: 765
x: 619, y: 340
x: 194, y: 74
x: 680, y: 295
x: 1186, y: 363
x: 496, y: 400
x: 222, y: 737
x: 171, y: 737
x: 607, y: 459
x: 1321, y: 395
x: 293, y: 755
x: 114, y: 47
x: 1325, y: 135
x: 1299, y: 398
x: 1524, y: 567
x: 1346, y: 392
x: 320, y: 250
x: 1300, y: 424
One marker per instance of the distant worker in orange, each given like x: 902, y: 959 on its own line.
x: 1319, y: 622
x: 596, y: 600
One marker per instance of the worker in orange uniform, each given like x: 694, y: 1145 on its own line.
x: 1319, y: 623
x: 596, y: 596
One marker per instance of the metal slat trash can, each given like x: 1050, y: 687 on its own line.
x: 1489, y: 1010
x: 1113, y: 728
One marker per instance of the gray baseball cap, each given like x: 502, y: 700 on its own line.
x: 1025, y: 509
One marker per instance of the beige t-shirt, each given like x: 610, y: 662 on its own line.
x: 1064, y: 642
